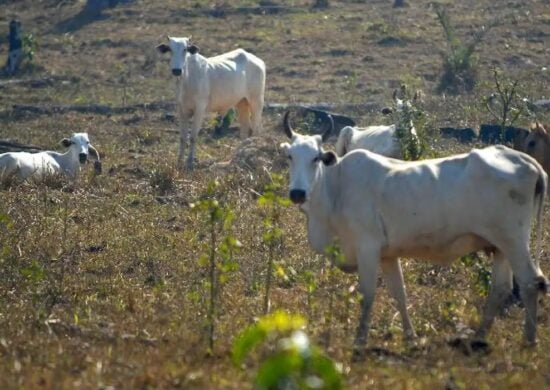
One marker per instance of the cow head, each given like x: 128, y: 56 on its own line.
x: 80, y: 147
x: 180, y: 49
x: 306, y: 159
x: 537, y: 142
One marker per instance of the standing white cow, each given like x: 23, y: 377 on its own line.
x: 215, y: 84
x: 23, y: 164
x: 482, y: 200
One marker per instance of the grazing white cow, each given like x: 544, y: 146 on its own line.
x: 215, y: 84
x: 378, y: 139
x: 23, y: 164
x: 482, y: 200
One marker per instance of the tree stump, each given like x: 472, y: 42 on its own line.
x: 15, y: 54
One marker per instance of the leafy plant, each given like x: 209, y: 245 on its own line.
x: 336, y: 256
x: 273, y: 203
x: 505, y: 105
x: 481, y: 272
x: 219, y: 220
x: 291, y: 362
x: 30, y: 47
x: 459, y: 61
x: 414, y: 144
x: 162, y: 178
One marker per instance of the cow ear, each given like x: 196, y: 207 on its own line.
x: 285, y: 146
x: 163, y: 48
x: 193, y: 49
x: 329, y: 158
x: 66, y: 142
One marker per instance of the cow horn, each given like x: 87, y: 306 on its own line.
x: 286, y: 124
x: 328, y: 131
x: 394, y: 95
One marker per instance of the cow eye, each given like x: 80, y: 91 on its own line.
x: 289, y: 157
x: 531, y: 144
x: 316, y: 160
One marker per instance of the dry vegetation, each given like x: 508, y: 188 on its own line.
x: 101, y: 283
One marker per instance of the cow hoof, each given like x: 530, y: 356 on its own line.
x: 358, y: 355
x: 529, y: 344
x: 480, y: 346
x: 97, y: 167
x: 469, y: 347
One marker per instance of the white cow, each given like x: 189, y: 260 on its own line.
x: 482, y: 200
x: 23, y: 164
x: 377, y: 139
x: 380, y: 139
x: 215, y: 84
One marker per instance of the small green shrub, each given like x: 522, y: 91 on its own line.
x: 162, y: 179
x: 219, y: 220
x: 481, y: 271
x: 505, y: 105
x: 409, y: 116
x: 273, y: 203
x: 292, y: 362
x: 460, y: 71
x: 30, y: 47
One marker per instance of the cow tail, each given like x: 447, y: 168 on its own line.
x: 541, y: 189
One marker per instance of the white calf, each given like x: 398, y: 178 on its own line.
x: 23, y: 164
x: 215, y: 84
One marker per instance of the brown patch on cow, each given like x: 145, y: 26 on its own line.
x: 516, y: 197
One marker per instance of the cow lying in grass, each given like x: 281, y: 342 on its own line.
x: 22, y: 165
x: 215, y: 84
x: 482, y: 200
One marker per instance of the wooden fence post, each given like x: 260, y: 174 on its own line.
x: 15, y: 54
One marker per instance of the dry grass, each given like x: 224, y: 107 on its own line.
x: 101, y: 283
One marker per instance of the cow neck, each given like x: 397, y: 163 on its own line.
x: 68, y: 161
x: 194, y: 65
x: 321, y: 195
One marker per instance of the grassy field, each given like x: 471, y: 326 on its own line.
x: 103, y: 282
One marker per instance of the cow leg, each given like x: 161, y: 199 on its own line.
x: 243, y: 112
x: 184, y: 134
x: 393, y: 275
x: 256, y: 109
x: 198, y: 116
x: 501, y: 285
x: 529, y: 284
x: 367, y: 262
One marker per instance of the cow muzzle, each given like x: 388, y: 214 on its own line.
x: 297, y: 196
x: 176, y: 72
x: 82, y: 157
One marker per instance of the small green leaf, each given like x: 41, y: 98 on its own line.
x: 247, y: 341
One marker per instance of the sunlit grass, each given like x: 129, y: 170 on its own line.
x: 101, y: 283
